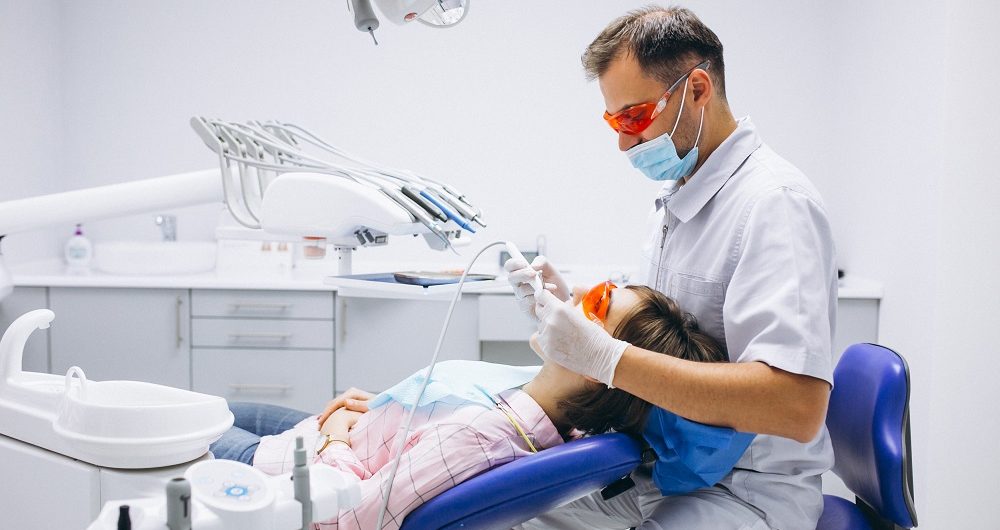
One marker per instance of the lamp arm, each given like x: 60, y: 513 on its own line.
x: 127, y: 198
x: 114, y: 200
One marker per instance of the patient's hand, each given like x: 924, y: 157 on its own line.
x: 340, y: 423
x: 354, y: 399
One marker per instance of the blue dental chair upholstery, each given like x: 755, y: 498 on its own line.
x: 868, y: 420
x: 508, y: 495
x: 869, y: 424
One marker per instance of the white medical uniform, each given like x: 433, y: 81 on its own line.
x: 745, y: 247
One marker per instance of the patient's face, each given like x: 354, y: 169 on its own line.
x: 622, y: 301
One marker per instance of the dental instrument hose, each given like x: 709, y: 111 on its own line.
x: 404, y: 431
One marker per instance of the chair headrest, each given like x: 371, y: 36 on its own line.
x: 868, y: 420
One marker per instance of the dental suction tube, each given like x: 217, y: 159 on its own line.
x: 404, y: 430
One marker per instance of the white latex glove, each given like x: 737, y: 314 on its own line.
x: 570, y: 339
x: 520, y: 273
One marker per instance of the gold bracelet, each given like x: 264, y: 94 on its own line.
x: 329, y: 440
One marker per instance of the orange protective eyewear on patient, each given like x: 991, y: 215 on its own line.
x: 637, y: 118
x: 597, y: 300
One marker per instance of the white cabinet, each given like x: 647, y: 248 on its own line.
x: 293, y: 348
x: 21, y: 301
x: 299, y: 379
x: 504, y: 328
x: 857, y: 321
x: 264, y: 346
x: 138, y: 334
x: 45, y: 490
x: 381, y: 341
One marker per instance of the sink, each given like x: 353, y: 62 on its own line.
x: 164, y: 257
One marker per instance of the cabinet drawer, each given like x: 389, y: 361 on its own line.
x: 262, y: 304
x: 298, y: 379
x: 258, y: 333
x: 382, y: 341
x: 501, y: 319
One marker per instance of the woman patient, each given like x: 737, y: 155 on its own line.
x: 463, y: 428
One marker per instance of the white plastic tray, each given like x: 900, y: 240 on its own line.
x: 122, y: 424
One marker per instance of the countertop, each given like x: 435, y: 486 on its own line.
x: 54, y: 273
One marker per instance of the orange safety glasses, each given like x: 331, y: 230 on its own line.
x: 597, y: 300
x: 635, y: 119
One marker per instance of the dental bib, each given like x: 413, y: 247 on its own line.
x: 691, y: 455
x: 457, y: 382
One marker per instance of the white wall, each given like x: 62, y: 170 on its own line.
x: 914, y: 205
x: 30, y: 114
x: 963, y: 419
x: 888, y: 106
x: 497, y: 106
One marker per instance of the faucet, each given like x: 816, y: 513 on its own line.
x: 168, y: 225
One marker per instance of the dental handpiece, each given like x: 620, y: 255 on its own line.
x: 418, y: 213
x: 536, y: 282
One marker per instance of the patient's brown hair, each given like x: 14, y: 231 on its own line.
x: 654, y: 323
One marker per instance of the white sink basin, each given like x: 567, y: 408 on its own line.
x: 144, y: 257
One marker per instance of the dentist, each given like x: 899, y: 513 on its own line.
x: 738, y: 237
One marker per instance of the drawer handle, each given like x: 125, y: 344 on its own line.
x: 277, y: 308
x: 177, y: 315
x: 260, y: 337
x: 250, y: 387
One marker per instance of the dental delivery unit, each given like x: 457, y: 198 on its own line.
x: 149, y: 443
x: 288, y: 184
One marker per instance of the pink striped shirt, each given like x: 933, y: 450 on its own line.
x: 447, y: 445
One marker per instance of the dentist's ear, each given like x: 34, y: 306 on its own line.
x: 702, y: 88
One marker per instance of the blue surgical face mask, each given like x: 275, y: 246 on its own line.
x: 657, y: 158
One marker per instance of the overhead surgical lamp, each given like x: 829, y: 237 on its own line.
x: 433, y: 13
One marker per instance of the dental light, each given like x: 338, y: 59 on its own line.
x: 433, y: 13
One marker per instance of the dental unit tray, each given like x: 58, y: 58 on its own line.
x: 421, y: 278
x: 120, y: 424
x: 413, y: 285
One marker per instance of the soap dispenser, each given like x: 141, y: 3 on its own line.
x: 78, y: 249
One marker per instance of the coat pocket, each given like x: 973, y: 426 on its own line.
x: 702, y: 298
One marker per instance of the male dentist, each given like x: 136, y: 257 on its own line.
x: 740, y: 238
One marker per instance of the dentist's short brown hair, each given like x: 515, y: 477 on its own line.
x: 666, y: 42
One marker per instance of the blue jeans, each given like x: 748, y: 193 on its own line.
x: 253, y: 420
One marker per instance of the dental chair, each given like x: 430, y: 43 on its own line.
x: 508, y: 495
x: 869, y: 423
x: 868, y: 420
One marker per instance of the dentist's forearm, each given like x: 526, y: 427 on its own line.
x: 748, y: 397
